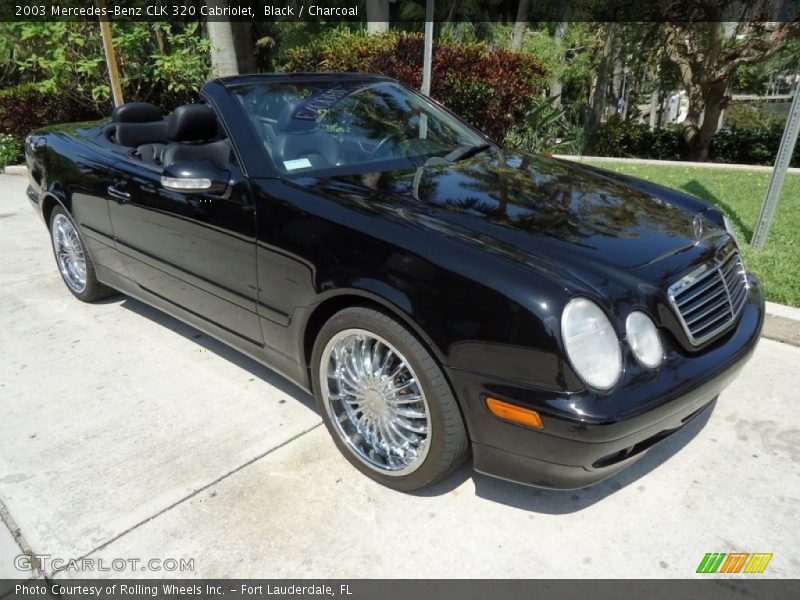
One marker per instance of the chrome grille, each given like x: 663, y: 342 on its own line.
x: 709, y: 299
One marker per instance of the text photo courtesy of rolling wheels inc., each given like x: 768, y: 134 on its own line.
x: 413, y: 299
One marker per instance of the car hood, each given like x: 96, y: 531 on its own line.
x: 539, y: 206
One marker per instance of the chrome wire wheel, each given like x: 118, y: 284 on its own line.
x: 69, y: 253
x: 375, y: 402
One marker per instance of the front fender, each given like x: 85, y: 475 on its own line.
x: 467, y: 326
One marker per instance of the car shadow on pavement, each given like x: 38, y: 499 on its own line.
x: 221, y: 349
x: 557, y: 502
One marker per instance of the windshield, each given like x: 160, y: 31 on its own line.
x: 309, y: 127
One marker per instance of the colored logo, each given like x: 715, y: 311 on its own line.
x: 734, y: 562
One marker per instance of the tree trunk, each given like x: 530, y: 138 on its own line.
x: 162, y: 43
x: 707, y: 64
x: 598, y: 94
x: 653, y: 117
x: 223, y: 48
x: 698, y: 132
x: 377, y: 16
x: 557, y: 84
x: 243, y: 39
x: 451, y: 16
x: 521, y: 24
x: 616, y: 84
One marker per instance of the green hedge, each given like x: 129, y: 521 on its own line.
x: 26, y: 107
x: 756, y: 146
x: 492, y: 89
x: 616, y: 137
x: 750, y: 146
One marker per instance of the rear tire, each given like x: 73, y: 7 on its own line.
x: 386, y: 401
x: 73, y: 260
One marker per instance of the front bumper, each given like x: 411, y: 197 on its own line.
x: 580, y: 447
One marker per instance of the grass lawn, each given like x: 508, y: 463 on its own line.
x: 740, y: 194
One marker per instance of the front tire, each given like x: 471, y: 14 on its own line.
x: 73, y: 261
x: 385, y: 401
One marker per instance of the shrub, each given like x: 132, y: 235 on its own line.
x: 10, y: 150
x: 742, y: 145
x: 163, y: 63
x: 492, y: 89
x: 616, y: 137
x: 744, y: 115
x: 750, y: 146
x: 26, y: 107
x: 545, y: 128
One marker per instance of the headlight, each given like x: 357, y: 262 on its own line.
x: 731, y: 231
x: 644, y: 340
x: 591, y: 343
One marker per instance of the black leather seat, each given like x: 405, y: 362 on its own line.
x: 299, y: 139
x: 150, y: 153
x: 136, y: 112
x: 317, y: 147
x: 139, y: 125
x: 193, y: 132
x: 288, y: 122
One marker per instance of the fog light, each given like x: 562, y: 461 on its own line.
x: 512, y: 412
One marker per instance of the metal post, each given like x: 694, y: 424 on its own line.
x: 782, y: 162
x: 428, y: 55
x: 111, y: 59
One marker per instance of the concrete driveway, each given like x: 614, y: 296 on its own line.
x: 125, y: 434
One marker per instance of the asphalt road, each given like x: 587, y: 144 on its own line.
x: 125, y: 434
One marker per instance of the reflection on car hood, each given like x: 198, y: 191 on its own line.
x: 540, y: 205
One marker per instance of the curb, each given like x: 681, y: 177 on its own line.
x: 15, y: 170
x: 671, y: 163
x: 783, y: 311
x: 782, y: 324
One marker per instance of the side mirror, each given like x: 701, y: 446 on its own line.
x: 195, y: 177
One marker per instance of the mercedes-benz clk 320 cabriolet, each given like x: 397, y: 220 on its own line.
x: 436, y: 293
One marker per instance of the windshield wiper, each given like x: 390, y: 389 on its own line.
x: 463, y: 152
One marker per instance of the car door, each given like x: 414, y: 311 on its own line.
x: 196, y: 250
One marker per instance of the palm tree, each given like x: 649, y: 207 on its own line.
x: 377, y: 16
x: 521, y: 25
x: 223, y: 47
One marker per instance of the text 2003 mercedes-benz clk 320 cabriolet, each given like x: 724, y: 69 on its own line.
x: 436, y: 293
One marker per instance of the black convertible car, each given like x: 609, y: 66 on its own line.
x: 437, y: 293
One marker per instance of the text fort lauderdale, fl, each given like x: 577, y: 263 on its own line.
x: 171, y: 589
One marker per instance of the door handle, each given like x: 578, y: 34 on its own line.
x: 119, y: 195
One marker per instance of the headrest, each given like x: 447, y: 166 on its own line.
x: 287, y: 121
x: 136, y: 112
x: 295, y: 145
x: 284, y: 119
x: 136, y: 134
x: 192, y: 123
x: 303, y: 150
